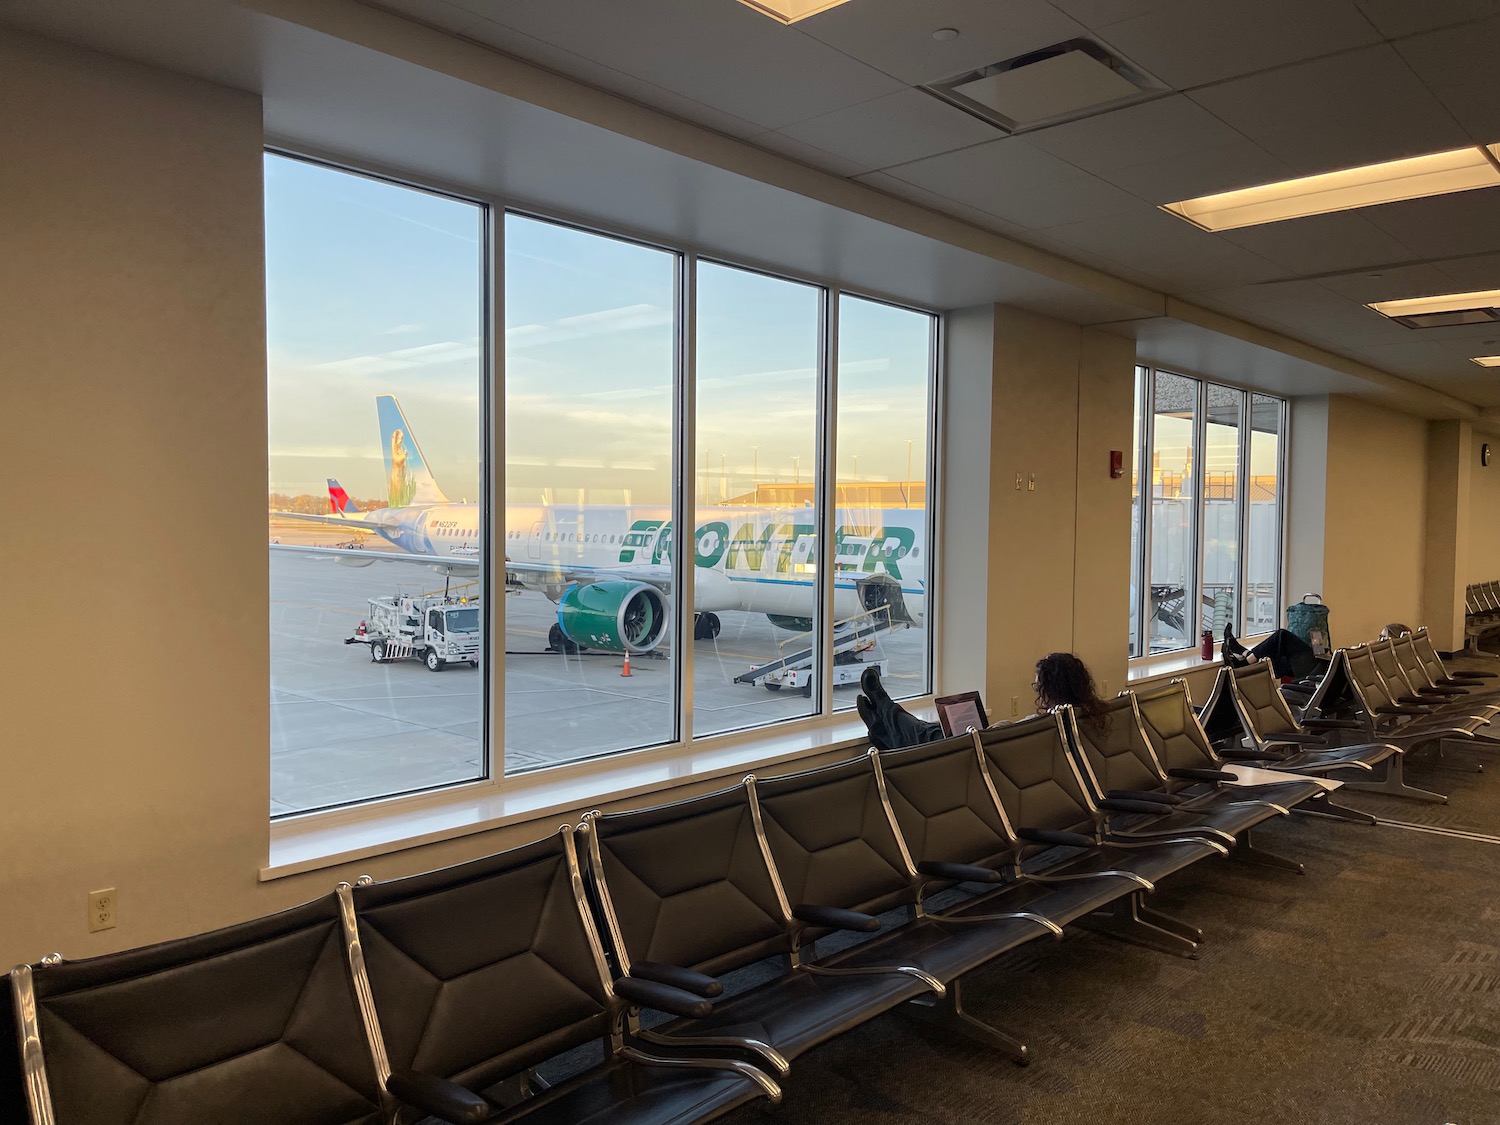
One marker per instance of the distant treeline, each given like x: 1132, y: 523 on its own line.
x: 316, y: 505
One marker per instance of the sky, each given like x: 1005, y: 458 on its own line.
x: 376, y: 288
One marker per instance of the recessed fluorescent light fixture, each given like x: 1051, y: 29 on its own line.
x: 790, y: 11
x: 1443, y: 310
x: 1416, y: 177
x: 1487, y: 360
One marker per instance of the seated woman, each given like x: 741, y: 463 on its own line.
x: 1060, y: 678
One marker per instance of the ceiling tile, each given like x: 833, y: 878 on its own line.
x: 1395, y: 18
x: 895, y: 129
x: 1206, y: 172
x: 1310, y: 312
x: 1135, y: 134
x: 450, y: 17
x: 1476, y: 271
x: 1198, y: 41
x: 783, y: 145
x: 1043, y: 240
x: 1351, y: 109
x: 1321, y: 243
x: 1458, y: 65
x: 882, y: 181
x: 1425, y: 362
x: 1389, y: 283
x: 1167, y: 247
x: 1100, y: 13
x: 896, y: 35
x: 983, y: 175
x: 1085, y: 197
x: 1445, y: 226
x: 773, y: 75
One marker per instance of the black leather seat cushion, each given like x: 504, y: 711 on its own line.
x: 801, y: 1010
x: 1233, y: 819
x: 947, y: 952
x: 1154, y: 863
x: 1287, y: 794
x: 631, y: 1094
x: 1060, y: 902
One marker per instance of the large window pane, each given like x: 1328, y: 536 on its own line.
x: 1263, y: 538
x: 375, y: 294
x: 1221, y: 508
x: 590, y: 361
x: 756, y: 550
x: 881, y: 547
x: 1173, y: 511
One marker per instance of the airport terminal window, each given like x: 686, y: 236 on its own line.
x: 1206, y: 550
x: 379, y: 294
x: 881, y: 578
x: 374, y: 304
x: 591, y: 363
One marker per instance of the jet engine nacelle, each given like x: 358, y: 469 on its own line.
x: 614, y: 616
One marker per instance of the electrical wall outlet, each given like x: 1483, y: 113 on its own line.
x: 1015, y: 707
x: 1104, y: 690
x: 102, y: 910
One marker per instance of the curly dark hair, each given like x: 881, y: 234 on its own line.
x: 1062, y: 678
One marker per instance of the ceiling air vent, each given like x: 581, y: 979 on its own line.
x: 1058, y: 83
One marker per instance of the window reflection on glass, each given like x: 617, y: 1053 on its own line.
x: 755, y: 548
x: 1221, y: 520
x: 1136, y: 536
x: 1263, y: 542
x: 590, y: 362
x: 1173, y: 509
x: 881, y: 545
x: 375, y: 342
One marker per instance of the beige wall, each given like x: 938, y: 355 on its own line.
x: 134, y: 405
x: 1482, y: 563
x: 1059, y: 553
x: 1374, y: 520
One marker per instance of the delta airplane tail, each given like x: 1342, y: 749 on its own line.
x: 339, y: 500
x: 409, y: 482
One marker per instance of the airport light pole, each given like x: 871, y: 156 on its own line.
x: 908, y: 472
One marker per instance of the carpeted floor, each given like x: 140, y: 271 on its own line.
x: 1366, y: 992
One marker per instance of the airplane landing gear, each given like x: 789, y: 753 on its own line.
x: 705, y: 626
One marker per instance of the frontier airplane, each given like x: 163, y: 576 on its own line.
x: 607, y: 567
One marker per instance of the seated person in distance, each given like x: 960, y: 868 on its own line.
x: 1060, y: 678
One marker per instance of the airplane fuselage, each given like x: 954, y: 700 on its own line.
x: 758, y: 560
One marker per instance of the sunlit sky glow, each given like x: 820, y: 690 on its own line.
x: 374, y: 288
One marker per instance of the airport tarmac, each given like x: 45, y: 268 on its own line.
x: 346, y: 729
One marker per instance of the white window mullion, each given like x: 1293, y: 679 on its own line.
x: 684, y: 501
x: 492, y: 511
x: 825, y: 492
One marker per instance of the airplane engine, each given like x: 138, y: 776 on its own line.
x: 614, y: 616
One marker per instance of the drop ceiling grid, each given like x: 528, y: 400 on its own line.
x: 1330, y: 91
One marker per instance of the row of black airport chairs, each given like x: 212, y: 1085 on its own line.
x: 706, y: 944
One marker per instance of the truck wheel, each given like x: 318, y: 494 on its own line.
x: 807, y: 690
x: 773, y: 687
x: 473, y: 664
x: 434, y: 661
x: 375, y: 652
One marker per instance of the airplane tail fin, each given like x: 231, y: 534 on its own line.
x: 408, y: 480
x: 339, y: 500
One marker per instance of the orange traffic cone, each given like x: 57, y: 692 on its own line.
x: 625, y: 671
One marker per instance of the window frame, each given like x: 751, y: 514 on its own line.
x: 677, y: 755
x: 1145, y: 395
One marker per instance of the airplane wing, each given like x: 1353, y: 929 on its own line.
x: 558, y: 574
x: 359, y: 521
x: 353, y: 556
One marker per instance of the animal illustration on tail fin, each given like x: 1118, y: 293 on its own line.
x: 410, y: 483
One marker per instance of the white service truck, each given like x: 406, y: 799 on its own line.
x: 434, y: 629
